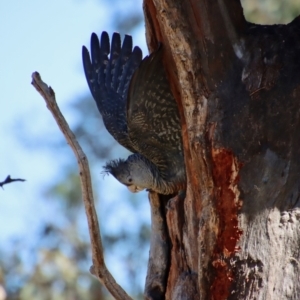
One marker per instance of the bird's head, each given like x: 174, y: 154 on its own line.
x: 134, y: 172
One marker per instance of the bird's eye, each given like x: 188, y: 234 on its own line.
x: 129, y: 179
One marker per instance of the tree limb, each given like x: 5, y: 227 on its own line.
x: 159, y: 262
x: 8, y: 179
x: 99, y: 268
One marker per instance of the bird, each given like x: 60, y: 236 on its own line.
x: 134, y: 98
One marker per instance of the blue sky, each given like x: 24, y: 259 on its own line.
x: 43, y: 36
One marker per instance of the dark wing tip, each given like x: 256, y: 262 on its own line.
x: 94, y: 35
x: 127, y: 43
x: 85, y: 55
x: 94, y: 39
x: 138, y: 52
x: 116, y: 35
x: 115, y: 44
x: 104, y: 35
x: 105, y: 42
x: 87, y: 66
x: 84, y: 48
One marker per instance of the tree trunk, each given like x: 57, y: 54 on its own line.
x: 236, y: 234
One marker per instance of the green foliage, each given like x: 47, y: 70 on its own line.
x: 271, y: 11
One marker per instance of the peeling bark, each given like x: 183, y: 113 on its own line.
x: 236, y: 234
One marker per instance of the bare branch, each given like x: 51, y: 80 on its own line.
x: 158, y: 264
x: 99, y: 268
x: 8, y: 179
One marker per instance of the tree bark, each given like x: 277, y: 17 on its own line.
x: 236, y: 235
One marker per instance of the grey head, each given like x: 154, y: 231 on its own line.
x: 136, y: 172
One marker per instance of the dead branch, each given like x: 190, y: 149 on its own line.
x: 8, y: 179
x: 158, y: 264
x: 99, y: 268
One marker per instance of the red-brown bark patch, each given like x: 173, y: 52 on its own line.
x: 226, y: 176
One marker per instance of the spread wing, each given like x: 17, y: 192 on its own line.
x: 153, y: 119
x: 108, y: 79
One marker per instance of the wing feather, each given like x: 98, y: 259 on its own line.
x: 108, y: 79
x: 125, y: 54
x: 114, y: 55
x: 153, y: 118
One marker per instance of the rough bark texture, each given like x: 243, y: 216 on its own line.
x: 158, y: 264
x: 236, y: 235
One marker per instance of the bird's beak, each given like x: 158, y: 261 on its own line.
x: 134, y: 188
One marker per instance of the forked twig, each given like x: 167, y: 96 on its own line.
x: 99, y: 268
x: 8, y: 179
